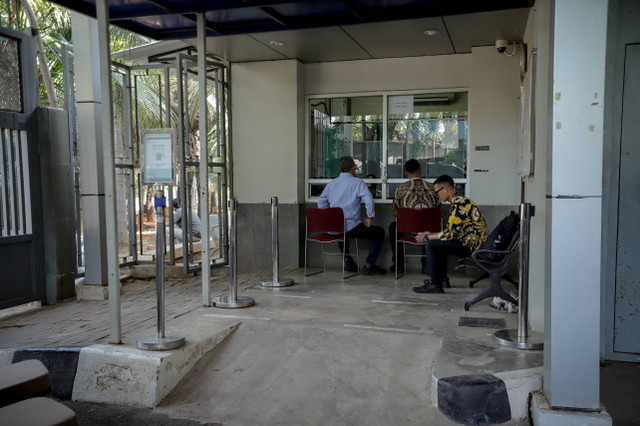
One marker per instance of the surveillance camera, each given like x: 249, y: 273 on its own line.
x: 501, y: 45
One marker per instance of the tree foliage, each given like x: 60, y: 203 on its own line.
x: 55, y: 30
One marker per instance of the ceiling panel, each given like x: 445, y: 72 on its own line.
x: 240, y: 48
x: 484, y: 28
x: 397, y: 39
x: 315, y: 45
x: 391, y: 39
x: 172, y: 19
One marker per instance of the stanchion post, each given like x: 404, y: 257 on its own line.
x: 159, y: 203
x: 275, y: 253
x: 160, y: 341
x: 526, y: 212
x: 522, y: 338
x: 233, y: 301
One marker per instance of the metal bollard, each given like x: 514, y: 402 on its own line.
x: 160, y: 341
x: 233, y: 301
x: 276, y: 281
x: 522, y: 338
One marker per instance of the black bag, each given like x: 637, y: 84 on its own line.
x: 500, y: 237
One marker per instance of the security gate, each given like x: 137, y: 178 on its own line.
x: 21, y: 234
x: 164, y: 94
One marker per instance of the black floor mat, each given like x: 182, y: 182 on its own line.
x: 483, y: 322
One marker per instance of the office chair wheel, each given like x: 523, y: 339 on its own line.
x: 467, y: 305
x: 471, y: 283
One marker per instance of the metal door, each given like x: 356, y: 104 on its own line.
x: 218, y: 148
x: 627, y: 293
x: 21, y: 236
x: 164, y: 93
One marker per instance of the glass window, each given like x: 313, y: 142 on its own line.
x: 432, y: 128
x: 345, y: 126
x: 429, y: 127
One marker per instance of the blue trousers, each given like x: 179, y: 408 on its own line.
x: 373, y: 233
x: 437, y: 253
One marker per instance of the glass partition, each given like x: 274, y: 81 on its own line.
x: 346, y: 126
x: 429, y: 127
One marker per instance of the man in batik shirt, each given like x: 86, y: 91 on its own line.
x: 465, y: 232
x: 416, y: 193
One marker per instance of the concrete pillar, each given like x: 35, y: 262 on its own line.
x: 90, y: 141
x: 57, y: 204
x: 574, y: 204
x: 268, y: 95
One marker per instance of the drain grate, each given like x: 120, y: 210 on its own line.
x: 482, y: 322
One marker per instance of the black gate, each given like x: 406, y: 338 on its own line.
x: 21, y: 236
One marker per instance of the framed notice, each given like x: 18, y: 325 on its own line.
x: 157, y: 156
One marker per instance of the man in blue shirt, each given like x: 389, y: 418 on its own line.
x: 347, y: 192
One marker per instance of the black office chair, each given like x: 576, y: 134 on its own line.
x: 494, y: 261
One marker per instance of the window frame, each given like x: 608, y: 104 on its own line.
x: 383, y: 180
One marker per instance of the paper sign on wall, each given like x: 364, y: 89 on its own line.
x: 400, y: 104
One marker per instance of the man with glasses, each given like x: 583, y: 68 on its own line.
x: 348, y: 192
x: 465, y: 232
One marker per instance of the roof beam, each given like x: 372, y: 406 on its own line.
x: 355, y: 9
x: 163, y: 8
x: 276, y: 16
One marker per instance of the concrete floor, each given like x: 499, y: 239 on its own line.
x: 366, y: 350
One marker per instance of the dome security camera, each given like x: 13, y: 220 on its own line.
x: 501, y: 45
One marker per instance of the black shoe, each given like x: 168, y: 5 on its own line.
x: 392, y: 268
x: 350, y: 265
x: 446, y: 283
x: 429, y: 287
x: 373, y: 270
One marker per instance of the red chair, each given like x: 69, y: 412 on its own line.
x: 329, y: 226
x: 412, y: 221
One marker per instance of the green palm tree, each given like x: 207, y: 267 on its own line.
x: 53, y: 29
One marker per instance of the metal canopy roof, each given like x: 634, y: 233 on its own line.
x: 176, y: 19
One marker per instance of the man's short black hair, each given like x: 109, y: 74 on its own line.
x: 346, y: 164
x: 412, y: 166
x: 176, y: 203
x: 444, y: 180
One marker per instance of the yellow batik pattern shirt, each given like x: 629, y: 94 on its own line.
x: 466, y: 223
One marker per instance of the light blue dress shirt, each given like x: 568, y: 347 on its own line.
x: 347, y: 192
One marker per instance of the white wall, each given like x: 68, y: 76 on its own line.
x: 419, y: 73
x: 493, y: 81
x: 494, y: 121
x: 268, y: 131
x: 268, y: 107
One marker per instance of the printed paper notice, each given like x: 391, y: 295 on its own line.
x: 400, y: 104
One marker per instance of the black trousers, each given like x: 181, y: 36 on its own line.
x: 373, y: 233
x: 437, y: 253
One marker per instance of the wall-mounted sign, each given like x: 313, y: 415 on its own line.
x: 400, y: 104
x: 157, y: 156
